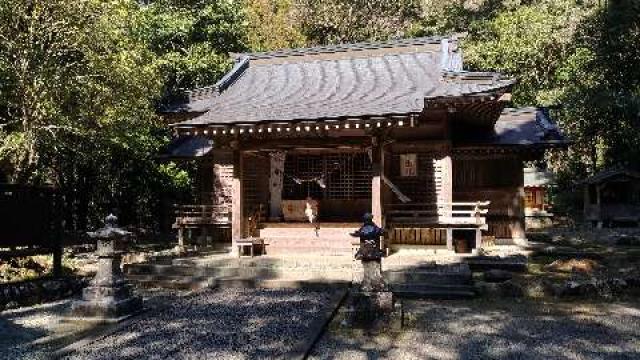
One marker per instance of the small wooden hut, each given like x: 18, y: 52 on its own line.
x: 307, y: 140
x: 537, y: 203
x: 612, y: 198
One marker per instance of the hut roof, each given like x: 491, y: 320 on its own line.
x: 537, y: 178
x: 612, y: 173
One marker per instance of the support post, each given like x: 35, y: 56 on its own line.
x: 57, y: 235
x: 276, y: 178
x: 181, y: 245
x: 377, y: 164
x: 450, y: 239
x: 518, y: 233
x: 237, y: 200
x: 446, y: 194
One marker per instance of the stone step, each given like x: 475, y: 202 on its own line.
x: 307, y: 250
x: 178, y: 270
x: 508, y: 263
x: 198, y: 283
x: 170, y: 282
x: 310, y: 232
x: 428, y: 277
x: 248, y: 272
x: 306, y: 242
x: 293, y: 262
x: 430, y: 291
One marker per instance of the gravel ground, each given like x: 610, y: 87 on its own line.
x: 481, y: 330
x: 34, y: 332
x: 21, y: 328
x: 216, y: 324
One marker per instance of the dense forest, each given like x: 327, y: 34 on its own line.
x: 80, y: 80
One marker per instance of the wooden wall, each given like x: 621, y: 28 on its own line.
x: 222, y: 169
x: 417, y: 236
x: 427, y: 187
x: 499, y: 180
x: 424, y: 187
x: 255, y: 182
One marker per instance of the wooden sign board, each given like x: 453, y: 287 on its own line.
x: 408, y: 165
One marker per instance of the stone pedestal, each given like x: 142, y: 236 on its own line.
x: 108, y: 297
x: 372, y: 304
x: 372, y: 276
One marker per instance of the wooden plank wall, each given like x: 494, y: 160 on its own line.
x: 424, y: 187
x: 427, y: 187
x: 418, y: 236
x: 499, y: 180
x: 222, y: 177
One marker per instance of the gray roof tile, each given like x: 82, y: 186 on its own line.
x: 306, y: 84
x: 527, y: 126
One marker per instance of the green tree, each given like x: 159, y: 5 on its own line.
x: 343, y: 21
x: 272, y: 24
x: 530, y: 42
x: 76, y: 105
x: 192, y: 39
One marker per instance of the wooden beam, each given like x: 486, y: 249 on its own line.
x: 421, y: 146
x: 237, y: 200
x: 291, y: 143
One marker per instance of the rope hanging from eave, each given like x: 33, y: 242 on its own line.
x: 320, y: 180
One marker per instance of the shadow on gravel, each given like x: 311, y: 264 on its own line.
x: 480, y: 330
x: 13, y: 334
x: 216, y: 324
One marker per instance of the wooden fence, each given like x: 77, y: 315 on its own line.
x: 29, y: 223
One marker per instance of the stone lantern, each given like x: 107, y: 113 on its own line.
x: 373, y: 298
x: 109, y: 297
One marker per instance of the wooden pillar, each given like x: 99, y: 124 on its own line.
x: 450, y: 239
x: 518, y: 234
x: 276, y: 178
x: 445, y: 195
x: 377, y: 159
x: 237, y: 200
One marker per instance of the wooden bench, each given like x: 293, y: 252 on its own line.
x: 251, y: 244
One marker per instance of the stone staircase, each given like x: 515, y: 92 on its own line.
x: 264, y: 272
x: 306, y: 239
x: 453, y: 281
x: 422, y: 281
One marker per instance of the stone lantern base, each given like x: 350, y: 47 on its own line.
x: 107, y: 303
x: 371, y: 304
x: 109, y: 298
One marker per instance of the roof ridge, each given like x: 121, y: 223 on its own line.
x: 345, y: 47
x: 227, y: 80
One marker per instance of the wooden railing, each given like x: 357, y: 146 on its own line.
x: 203, y: 214
x: 466, y: 214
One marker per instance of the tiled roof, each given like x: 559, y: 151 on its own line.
x: 524, y: 127
x: 527, y: 126
x: 187, y: 147
x: 357, y: 80
x: 537, y: 177
x: 611, y: 173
